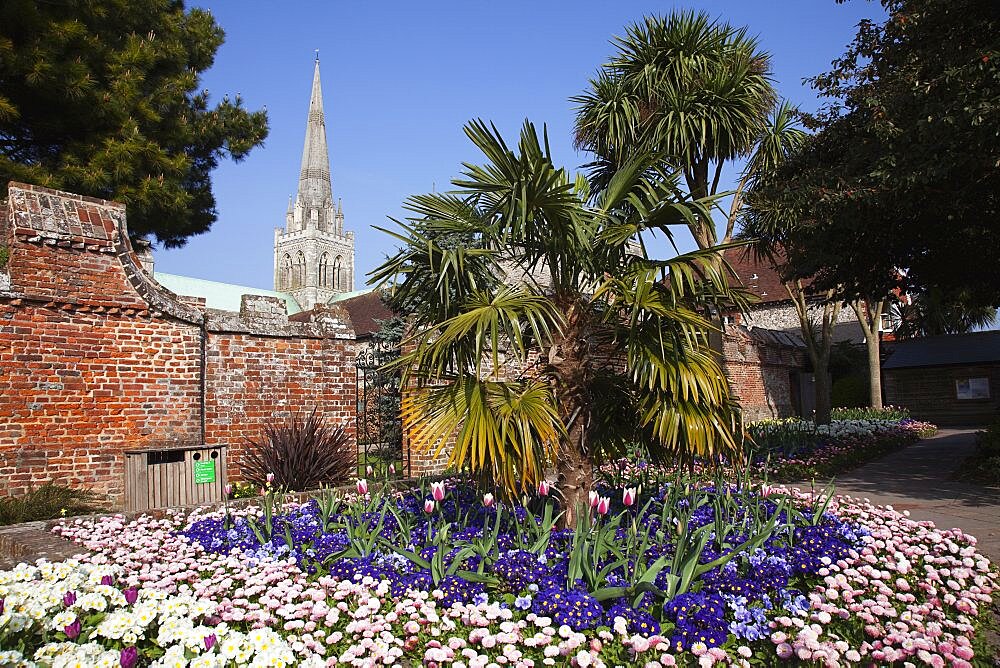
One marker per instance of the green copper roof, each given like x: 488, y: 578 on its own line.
x: 348, y: 295
x: 224, y: 296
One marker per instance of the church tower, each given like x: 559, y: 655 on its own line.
x: 313, y: 255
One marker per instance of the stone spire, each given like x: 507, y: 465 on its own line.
x: 313, y: 254
x: 314, y: 178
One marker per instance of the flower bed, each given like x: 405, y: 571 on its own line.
x: 848, y: 584
x: 793, y: 449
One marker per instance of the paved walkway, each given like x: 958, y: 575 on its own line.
x: 918, y: 479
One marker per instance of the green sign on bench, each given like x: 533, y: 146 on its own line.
x: 204, y: 472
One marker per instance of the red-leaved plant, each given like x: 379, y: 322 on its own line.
x: 301, y: 454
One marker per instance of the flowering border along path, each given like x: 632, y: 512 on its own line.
x: 792, y: 449
x: 151, y: 595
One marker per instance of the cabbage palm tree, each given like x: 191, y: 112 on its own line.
x: 541, y: 333
x: 696, y: 92
x: 935, y: 312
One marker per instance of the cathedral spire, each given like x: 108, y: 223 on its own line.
x: 315, y: 188
x: 313, y: 254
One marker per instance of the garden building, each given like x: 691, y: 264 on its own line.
x: 949, y: 380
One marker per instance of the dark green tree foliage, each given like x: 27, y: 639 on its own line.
x: 101, y: 97
x: 904, y: 171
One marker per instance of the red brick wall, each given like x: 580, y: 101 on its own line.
x: 256, y: 380
x: 96, y: 358
x: 77, y: 389
x: 760, y: 374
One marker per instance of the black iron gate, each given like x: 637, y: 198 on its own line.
x: 379, y: 425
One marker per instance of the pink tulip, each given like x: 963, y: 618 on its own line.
x: 131, y: 595
x: 369, y: 470
x: 69, y: 598
x: 210, y: 641
x: 429, y: 506
x: 603, y: 505
x: 487, y: 500
x: 437, y: 490
x: 628, y: 496
x: 594, y: 498
x: 270, y: 478
x: 73, y: 630
x: 228, y: 490
x: 543, y: 488
x: 392, y: 469
x: 362, y: 487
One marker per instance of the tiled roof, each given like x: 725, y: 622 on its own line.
x: 757, y: 276
x: 775, y: 337
x: 364, y: 308
x: 972, y: 348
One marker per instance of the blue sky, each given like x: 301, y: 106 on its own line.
x: 400, y: 79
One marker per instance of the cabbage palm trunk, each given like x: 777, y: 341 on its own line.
x: 569, y: 373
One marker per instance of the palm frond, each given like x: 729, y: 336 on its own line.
x: 486, y: 325
x: 502, y: 431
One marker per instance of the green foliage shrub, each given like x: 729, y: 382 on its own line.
x: 983, y: 466
x: 849, y: 391
x: 47, y: 502
x: 894, y: 413
x: 988, y: 441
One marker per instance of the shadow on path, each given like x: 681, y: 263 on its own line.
x: 923, y: 471
x: 917, y: 479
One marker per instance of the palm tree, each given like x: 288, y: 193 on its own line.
x: 542, y: 334
x: 696, y: 92
x: 935, y: 312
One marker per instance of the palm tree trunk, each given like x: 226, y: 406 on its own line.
x: 574, y: 468
x: 575, y: 476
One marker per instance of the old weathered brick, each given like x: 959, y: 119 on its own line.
x: 96, y: 358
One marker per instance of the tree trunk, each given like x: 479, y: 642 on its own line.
x: 874, y: 371
x: 817, y: 345
x: 575, y: 477
x: 574, y: 468
x: 822, y: 386
x: 869, y: 316
x: 702, y: 230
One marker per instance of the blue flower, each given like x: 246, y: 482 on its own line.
x: 522, y: 602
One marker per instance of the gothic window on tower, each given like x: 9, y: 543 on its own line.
x: 338, y: 279
x: 286, y: 272
x: 324, y: 271
x: 300, y: 270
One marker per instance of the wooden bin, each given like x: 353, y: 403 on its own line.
x: 166, y: 477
